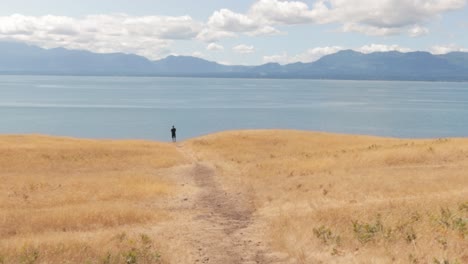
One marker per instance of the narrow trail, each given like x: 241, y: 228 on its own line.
x: 221, y: 226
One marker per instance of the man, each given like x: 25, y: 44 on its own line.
x: 173, y: 132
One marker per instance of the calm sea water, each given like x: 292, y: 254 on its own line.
x: 146, y: 108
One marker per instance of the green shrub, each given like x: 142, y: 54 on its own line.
x: 29, y: 255
x: 366, y: 232
x: 444, y: 261
x: 326, y: 235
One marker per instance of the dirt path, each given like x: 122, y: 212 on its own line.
x: 218, y: 227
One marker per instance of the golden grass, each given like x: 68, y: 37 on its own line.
x: 64, y: 199
x: 321, y: 198
x: 329, y: 198
x: 102, y: 246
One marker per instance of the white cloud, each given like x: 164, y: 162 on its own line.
x: 258, y: 21
x: 370, y: 17
x: 182, y: 27
x: 417, y: 31
x: 385, y: 13
x: 149, y: 36
x: 381, y: 48
x: 225, y: 23
x: 243, y: 49
x: 370, y: 30
x: 413, y: 31
x: 212, y: 35
x: 214, y: 47
x: 264, y: 31
x: 444, y: 49
x: 281, y: 58
x: 385, y: 17
x: 281, y: 12
x: 197, y: 54
x: 310, y: 55
x: 226, y: 20
x: 316, y: 53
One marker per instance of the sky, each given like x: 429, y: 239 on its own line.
x: 240, y: 32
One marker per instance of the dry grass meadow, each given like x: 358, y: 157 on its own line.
x: 65, y: 200
x: 327, y: 198
x: 317, y: 197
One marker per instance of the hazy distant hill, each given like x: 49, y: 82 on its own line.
x: 21, y: 58
x: 386, y: 65
x: 18, y: 58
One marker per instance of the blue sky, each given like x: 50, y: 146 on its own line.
x: 241, y: 31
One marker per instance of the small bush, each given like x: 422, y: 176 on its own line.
x: 445, y: 217
x: 326, y: 236
x: 131, y: 256
x: 412, y: 259
x: 29, y: 255
x: 449, y: 220
x: 463, y: 207
x: 141, y: 251
x: 107, y: 259
x: 410, y: 235
x: 366, y: 232
x: 444, y: 261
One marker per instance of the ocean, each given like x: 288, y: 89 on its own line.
x: 147, y: 107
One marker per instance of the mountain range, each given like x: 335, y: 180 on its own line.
x: 19, y: 58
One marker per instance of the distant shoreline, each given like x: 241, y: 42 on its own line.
x: 224, y: 77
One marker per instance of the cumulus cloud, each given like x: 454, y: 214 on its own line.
x: 22, y: 25
x: 413, y: 31
x: 243, y: 49
x: 386, y: 13
x: 370, y: 17
x: 370, y: 30
x: 279, y: 58
x: 264, y: 31
x: 310, y: 55
x: 381, y: 48
x: 387, y: 17
x: 197, y: 54
x: 444, y: 49
x: 213, y: 35
x: 261, y: 19
x: 227, y: 20
x: 214, y: 47
x: 417, y: 31
x: 282, y: 12
x: 226, y: 24
x: 149, y: 36
x: 183, y: 27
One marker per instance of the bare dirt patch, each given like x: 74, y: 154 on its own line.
x: 215, y: 225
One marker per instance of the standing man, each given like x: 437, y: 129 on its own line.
x: 173, y: 132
